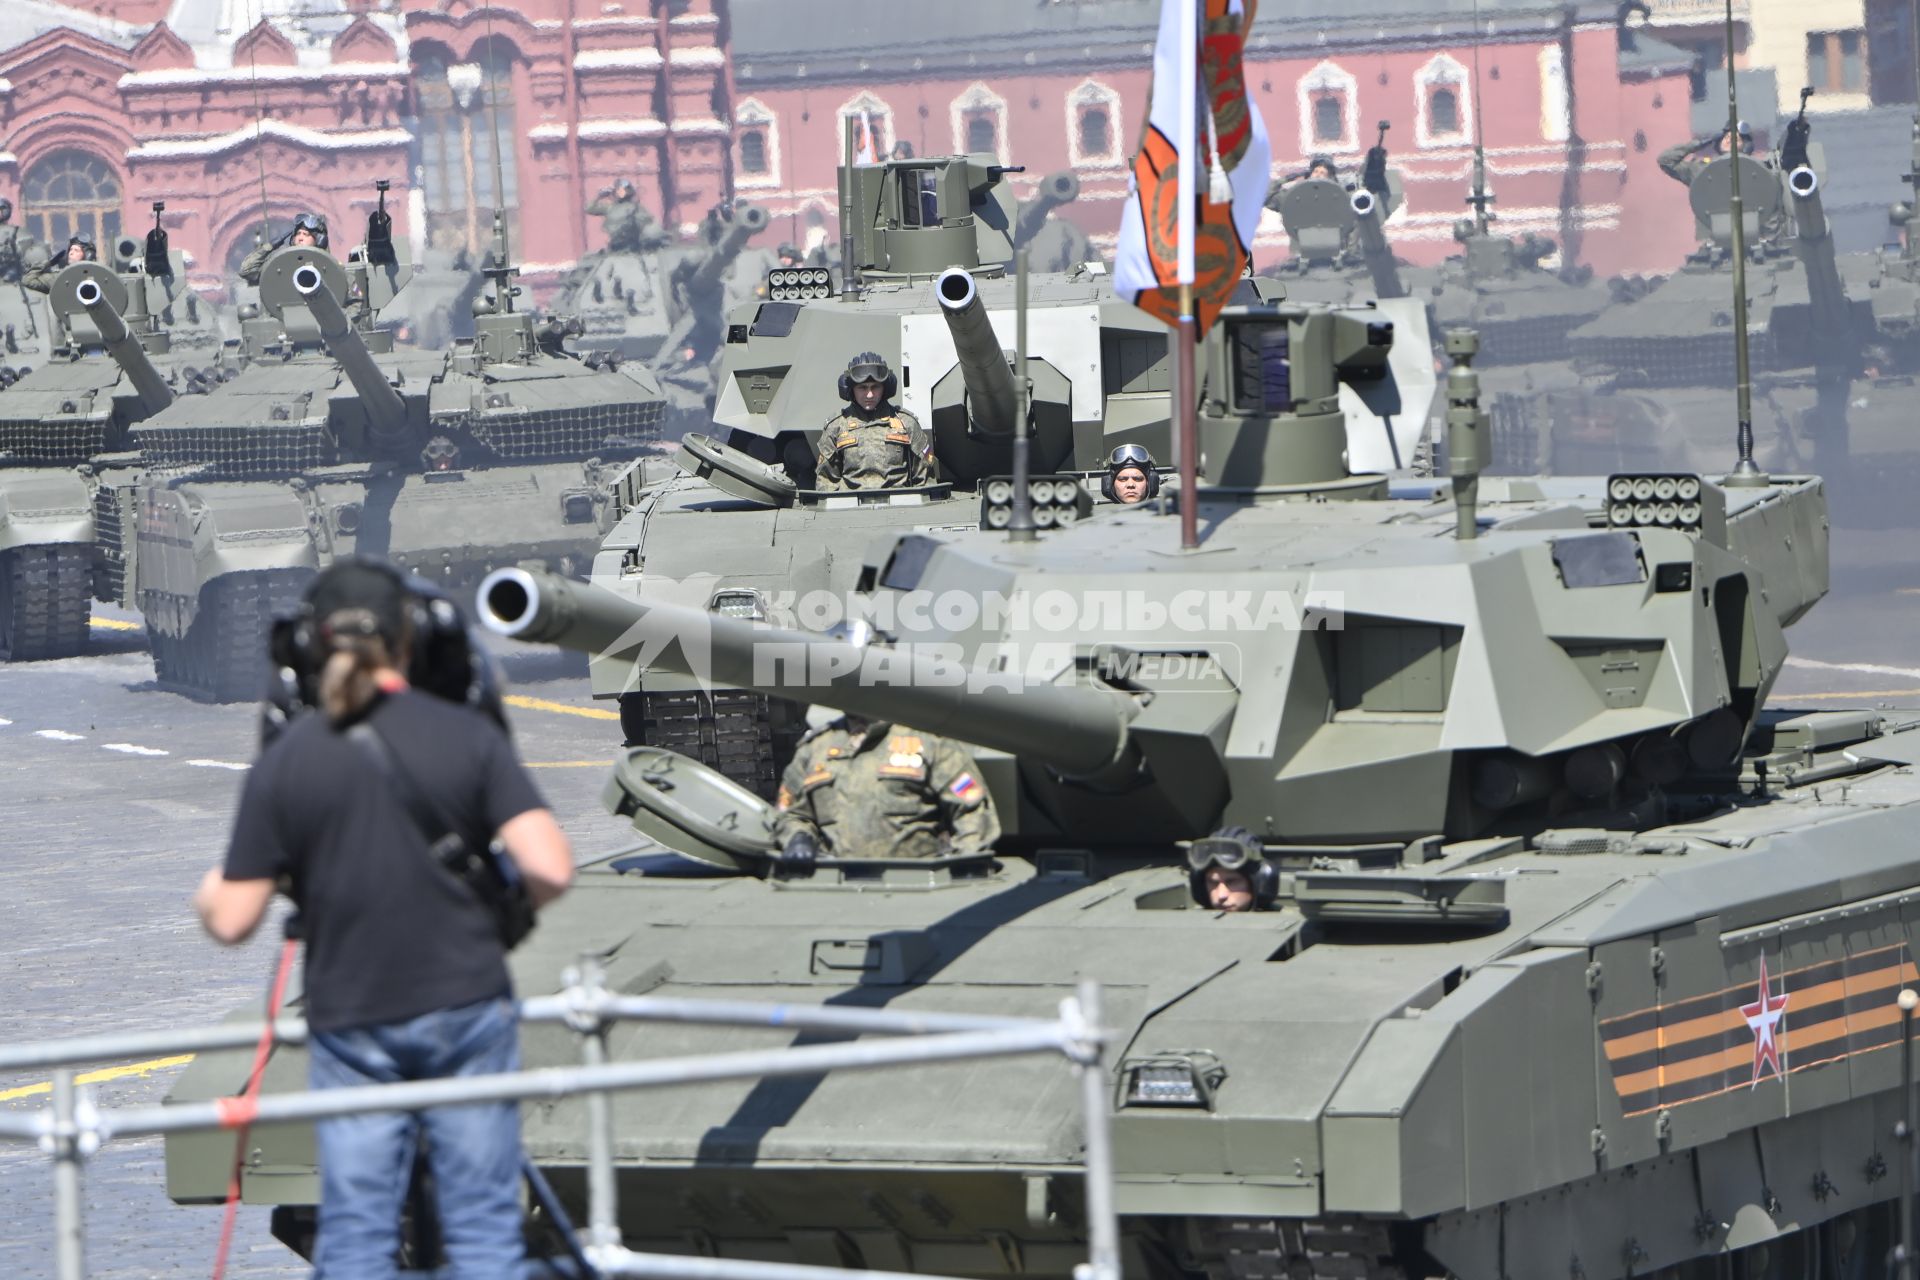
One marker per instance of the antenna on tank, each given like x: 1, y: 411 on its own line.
x: 1745, y: 475
x: 1481, y: 197
x: 502, y: 271
x: 259, y: 134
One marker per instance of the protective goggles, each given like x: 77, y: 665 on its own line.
x: 1225, y: 852
x: 867, y: 373
x: 1130, y: 455
x: 310, y: 222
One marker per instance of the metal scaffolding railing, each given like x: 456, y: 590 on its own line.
x: 71, y: 1129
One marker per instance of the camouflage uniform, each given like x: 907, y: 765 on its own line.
x: 40, y: 279
x: 629, y: 227
x: 1683, y: 161
x: 887, y: 449
x: 256, y: 260
x: 17, y: 246
x: 884, y: 792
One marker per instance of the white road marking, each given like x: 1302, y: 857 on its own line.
x: 4, y: 722
x: 1865, y: 668
x: 217, y: 764
x: 132, y: 750
x: 58, y: 735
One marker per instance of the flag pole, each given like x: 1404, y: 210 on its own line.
x: 1185, y: 387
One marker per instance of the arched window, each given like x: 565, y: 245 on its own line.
x: 72, y: 193
x: 1329, y: 98
x: 1093, y: 124
x: 459, y: 103
x: 869, y: 113
x: 1442, y: 105
x: 756, y: 144
x: 980, y: 122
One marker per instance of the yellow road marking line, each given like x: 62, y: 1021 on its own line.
x: 560, y: 708
x: 1849, y: 693
x: 115, y: 624
x: 567, y: 764
x: 98, y: 1077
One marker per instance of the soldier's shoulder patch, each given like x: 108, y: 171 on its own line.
x: 966, y: 789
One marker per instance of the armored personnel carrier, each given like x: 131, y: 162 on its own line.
x: 64, y: 432
x: 332, y: 443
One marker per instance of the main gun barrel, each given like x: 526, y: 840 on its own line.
x: 124, y: 346
x: 386, y: 410
x: 1368, y: 214
x: 1055, y: 190
x: 1832, y: 314
x: 993, y: 402
x: 748, y: 221
x: 1078, y: 731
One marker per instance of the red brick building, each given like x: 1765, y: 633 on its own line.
x: 223, y: 107
x: 1573, y: 123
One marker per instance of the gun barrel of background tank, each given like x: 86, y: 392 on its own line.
x: 992, y: 400
x: 125, y: 348
x: 1055, y: 190
x: 1078, y: 731
x: 1827, y: 294
x: 748, y: 221
x: 1385, y: 271
x: 386, y: 411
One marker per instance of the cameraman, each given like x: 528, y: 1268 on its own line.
x: 406, y: 975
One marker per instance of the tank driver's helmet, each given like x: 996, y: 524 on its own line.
x: 868, y: 366
x: 1129, y: 455
x: 311, y: 222
x: 1232, y: 849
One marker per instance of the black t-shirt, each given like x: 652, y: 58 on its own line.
x: 390, y: 934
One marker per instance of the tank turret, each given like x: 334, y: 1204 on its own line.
x: 919, y: 217
x: 711, y: 263
x: 91, y: 289
x: 298, y: 276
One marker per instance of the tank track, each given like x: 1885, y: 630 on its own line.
x: 223, y: 655
x: 745, y: 736
x: 1288, y: 1249
x: 46, y: 602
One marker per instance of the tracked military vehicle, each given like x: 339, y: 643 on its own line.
x: 1337, y: 230
x: 64, y: 433
x: 332, y: 443
x: 1052, y: 243
x: 742, y: 529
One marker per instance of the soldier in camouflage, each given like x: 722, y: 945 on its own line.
x: 629, y: 227
x: 17, y: 246
x: 80, y: 248
x: 309, y: 230
x: 869, y: 789
x: 873, y: 444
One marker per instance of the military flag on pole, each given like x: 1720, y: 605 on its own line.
x: 1231, y: 163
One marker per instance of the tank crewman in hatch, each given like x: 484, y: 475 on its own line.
x: 868, y: 789
x: 1229, y: 871
x: 872, y: 444
x: 17, y: 246
x: 309, y: 229
x: 629, y: 226
x: 1684, y: 160
x: 1130, y: 477
x: 79, y: 249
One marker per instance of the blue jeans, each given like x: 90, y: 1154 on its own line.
x: 366, y: 1161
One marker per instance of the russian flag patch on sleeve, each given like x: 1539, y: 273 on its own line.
x: 965, y: 789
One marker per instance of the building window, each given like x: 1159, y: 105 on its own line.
x: 980, y: 122
x: 1837, y: 61
x: 757, y: 145
x: 981, y: 134
x: 1093, y: 124
x: 458, y: 105
x: 753, y: 151
x: 1329, y: 110
x: 1329, y: 118
x: 1443, y: 103
x: 72, y: 193
x: 873, y: 127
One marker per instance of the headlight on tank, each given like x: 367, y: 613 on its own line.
x: 739, y: 604
x: 576, y: 506
x: 1187, y: 1079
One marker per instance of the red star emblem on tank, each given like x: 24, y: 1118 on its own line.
x: 1763, y: 1016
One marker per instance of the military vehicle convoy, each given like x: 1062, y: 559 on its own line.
x: 740, y: 528
x: 64, y: 433
x: 332, y: 443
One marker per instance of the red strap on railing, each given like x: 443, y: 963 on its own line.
x: 240, y: 1111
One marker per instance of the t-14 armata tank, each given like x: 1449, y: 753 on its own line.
x: 331, y: 443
